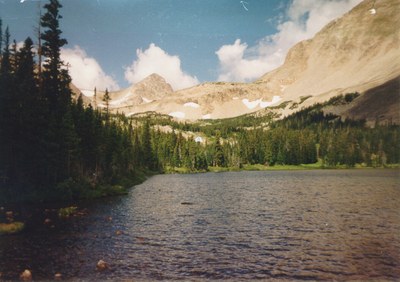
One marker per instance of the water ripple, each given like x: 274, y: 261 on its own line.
x: 303, y: 225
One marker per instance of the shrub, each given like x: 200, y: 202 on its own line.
x: 11, y: 228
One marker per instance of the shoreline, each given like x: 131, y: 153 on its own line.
x: 106, y: 191
x: 260, y: 167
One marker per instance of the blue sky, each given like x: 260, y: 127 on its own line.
x: 114, y: 43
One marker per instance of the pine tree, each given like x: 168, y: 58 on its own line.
x: 39, y: 47
x: 95, y: 98
x: 55, y: 79
x: 136, y: 151
x: 69, y: 146
x: 1, y: 36
x: 13, y: 55
x: 55, y: 87
x: 29, y: 114
x: 219, y: 157
x: 6, y: 94
x: 106, y: 100
x: 147, y: 157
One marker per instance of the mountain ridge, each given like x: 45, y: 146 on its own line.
x: 354, y: 53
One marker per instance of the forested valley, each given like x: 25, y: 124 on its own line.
x: 52, y: 147
x: 306, y: 137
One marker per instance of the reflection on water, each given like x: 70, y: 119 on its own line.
x: 325, y: 224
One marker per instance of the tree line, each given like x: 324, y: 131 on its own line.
x: 305, y: 137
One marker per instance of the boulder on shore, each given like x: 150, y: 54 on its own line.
x: 26, y: 275
x: 101, y: 265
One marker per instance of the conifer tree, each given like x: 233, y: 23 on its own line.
x: 6, y: 92
x: 55, y: 79
x: 95, y: 98
x: 147, y: 156
x: 219, y: 157
x: 29, y: 114
x: 55, y: 87
x: 1, y: 36
x: 106, y: 100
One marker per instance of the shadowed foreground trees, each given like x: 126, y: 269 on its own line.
x: 50, y: 145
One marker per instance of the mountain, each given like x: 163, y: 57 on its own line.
x: 135, y: 98
x: 152, y: 88
x: 358, y: 52
x: 355, y: 53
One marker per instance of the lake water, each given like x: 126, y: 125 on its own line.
x: 321, y: 224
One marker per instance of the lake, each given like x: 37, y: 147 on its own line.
x: 302, y: 225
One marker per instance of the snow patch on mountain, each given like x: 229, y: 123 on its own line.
x: 146, y: 100
x: 123, y: 99
x: 177, y: 114
x: 88, y: 93
x: 192, y: 105
x: 253, y: 104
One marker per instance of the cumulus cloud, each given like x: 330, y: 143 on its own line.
x: 156, y: 60
x: 86, y: 73
x: 239, y: 62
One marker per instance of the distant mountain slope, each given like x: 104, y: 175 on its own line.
x: 381, y: 103
x: 356, y: 53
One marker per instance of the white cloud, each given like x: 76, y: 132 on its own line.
x: 236, y: 66
x: 156, y: 60
x: 86, y: 73
x: 239, y: 62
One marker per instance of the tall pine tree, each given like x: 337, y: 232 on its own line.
x: 6, y: 129
x: 28, y: 114
x: 1, y: 36
x: 56, y: 79
x: 56, y: 90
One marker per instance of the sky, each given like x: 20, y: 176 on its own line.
x: 115, y: 43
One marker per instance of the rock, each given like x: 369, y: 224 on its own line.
x: 26, y: 275
x: 57, y: 276
x: 47, y: 221
x: 101, y: 265
x: 83, y: 212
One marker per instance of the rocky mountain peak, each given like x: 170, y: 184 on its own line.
x: 153, y: 87
x: 154, y: 77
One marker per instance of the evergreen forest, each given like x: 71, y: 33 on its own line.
x: 53, y: 147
